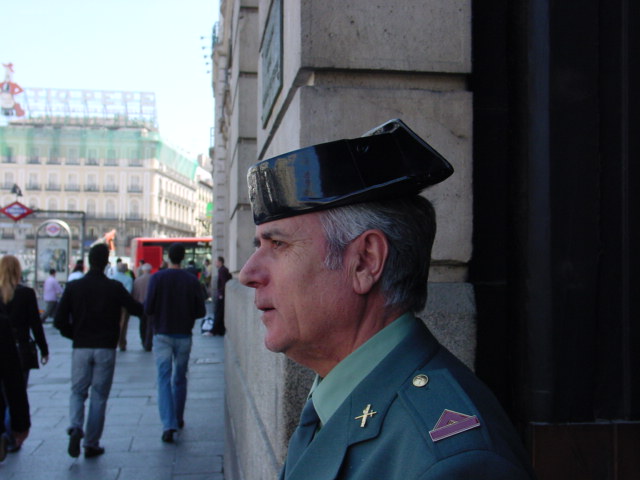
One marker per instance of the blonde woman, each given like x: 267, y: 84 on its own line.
x: 20, y: 304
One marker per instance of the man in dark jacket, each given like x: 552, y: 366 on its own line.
x: 89, y: 314
x: 223, y: 277
x: 174, y: 300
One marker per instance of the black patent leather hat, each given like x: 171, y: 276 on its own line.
x: 389, y: 161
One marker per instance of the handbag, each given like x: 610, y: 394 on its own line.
x: 28, y: 354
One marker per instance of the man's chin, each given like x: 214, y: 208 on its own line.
x: 274, y: 344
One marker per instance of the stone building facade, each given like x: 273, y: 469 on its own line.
x: 288, y: 74
x: 120, y: 178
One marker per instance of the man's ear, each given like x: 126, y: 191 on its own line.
x: 368, y: 255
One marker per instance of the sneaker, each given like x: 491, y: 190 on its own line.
x: 75, y: 434
x: 90, y: 452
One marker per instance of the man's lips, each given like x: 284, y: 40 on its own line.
x: 263, y: 307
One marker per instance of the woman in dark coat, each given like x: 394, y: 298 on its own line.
x: 13, y: 388
x: 21, y: 306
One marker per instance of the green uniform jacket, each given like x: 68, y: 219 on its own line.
x: 395, y: 443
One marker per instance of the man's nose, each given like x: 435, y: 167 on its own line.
x: 250, y: 274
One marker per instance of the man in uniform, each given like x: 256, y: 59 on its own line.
x: 343, y: 245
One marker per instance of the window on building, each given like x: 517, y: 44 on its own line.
x: 92, y: 156
x: 134, y: 209
x: 134, y: 158
x: 110, y: 184
x: 92, y: 183
x: 91, y: 207
x: 134, y: 184
x: 72, y: 183
x: 112, y: 157
x: 54, y: 156
x: 32, y: 181
x: 52, y: 182
x: 72, y: 204
x: 52, y: 204
x: 110, y: 209
x: 72, y: 156
x: 7, y: 155
x: 8, y: 180
x: 34, y: 155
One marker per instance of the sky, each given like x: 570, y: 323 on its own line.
x: 120, y: 45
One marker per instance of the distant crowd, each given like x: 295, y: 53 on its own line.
x: 92, y: 309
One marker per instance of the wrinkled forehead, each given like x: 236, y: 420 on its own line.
x: 298, y: 228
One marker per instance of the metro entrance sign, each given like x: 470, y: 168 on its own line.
x: 16, y: 211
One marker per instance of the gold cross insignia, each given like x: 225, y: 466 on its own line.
x: 366, y: 413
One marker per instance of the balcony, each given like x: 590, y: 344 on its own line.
x: 135, y: 163
x: 53, y: 187
x: 53, y: 161
x: 72, y: 161
x: 134, y: 189
x: 72, y: 187
x: 92, y: 161
x: 33, y: 160
x: 134, y: 216
x: 110, y: 188
x: 91, y: 188
x: 34, y: 186
x: 8, y: 160
x: 111, y: 162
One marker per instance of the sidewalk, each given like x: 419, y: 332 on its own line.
x: 134, y: 450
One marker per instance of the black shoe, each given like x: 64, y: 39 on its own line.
x: 75, y: 434
x: 181, y: 424
x: 13, y: 448
x: 90, y: 452
x: 167, y: 436
x: 3, y: 447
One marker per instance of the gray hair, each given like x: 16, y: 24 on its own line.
x: 409, y: 226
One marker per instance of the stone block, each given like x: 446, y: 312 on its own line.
x: 376, y: 35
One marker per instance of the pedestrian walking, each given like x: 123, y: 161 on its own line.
x: 78, y: 271
x: 89, y: 315
x: 14, y: 391
x: 122, y: 276
x: 21, y: 305
x: 223, y: 277
x: 51, y: 293
x: 175, y: 300
x: 140, y: 288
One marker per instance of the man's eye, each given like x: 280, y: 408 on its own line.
x: 277, y: 243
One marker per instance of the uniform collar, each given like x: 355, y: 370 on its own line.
x: 329, y: 393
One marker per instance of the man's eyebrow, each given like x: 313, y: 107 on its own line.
x: 268, y: 235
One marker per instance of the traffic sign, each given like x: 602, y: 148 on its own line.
x: 16, y: 211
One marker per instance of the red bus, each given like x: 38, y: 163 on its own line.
x: 153, y: 250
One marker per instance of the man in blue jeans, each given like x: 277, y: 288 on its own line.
x: 89, y: 314
x: 174, y: 302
